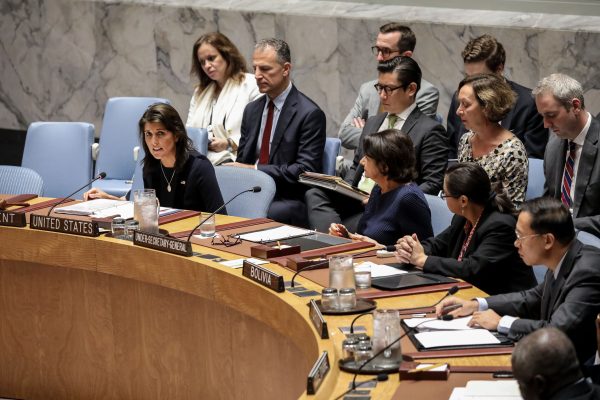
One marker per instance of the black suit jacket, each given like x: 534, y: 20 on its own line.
x: 491, y: 262
x: 431, y: 149
x: 570, y: 303
x: 586, y: 206
x: 297, y: 144
x: 523, y: 120
x: 582, y: 390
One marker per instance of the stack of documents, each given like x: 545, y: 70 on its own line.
x: 488, y: 390
x: 436, y: 333
x: 102, y: 208
x: 275, y: 234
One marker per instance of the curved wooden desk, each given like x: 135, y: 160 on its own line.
x: 98, y: 318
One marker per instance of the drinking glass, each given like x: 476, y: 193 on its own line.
x: 208, y: 227
x: 341, y: 272
x: 145, y: 210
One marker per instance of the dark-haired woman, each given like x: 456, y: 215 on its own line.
x: 478, y: 246
x: 397, y: 205
x: 224, y: 88
x: 182, y: 177
x: 484, y: 100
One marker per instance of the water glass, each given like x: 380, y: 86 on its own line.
x: 145, y: 210
x: 208, y: 227
x: 131, y: 226
x: 118, y: 228
x: 341, y: 272
x: 362, y: 276
x: 329, y: 298
x: 386, y: 329
x: 347, y: 299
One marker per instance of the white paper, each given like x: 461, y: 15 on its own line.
x: 458, y: 393
x: 89, y: 207
x: 380, y: 270
x: 496, y: 390
x: 439, y: 325
x: 441, y: 368
x: 434, y: 339
x: 274, y: 234
x: 239, y: 262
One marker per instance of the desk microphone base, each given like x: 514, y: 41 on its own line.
x: 379, y: 365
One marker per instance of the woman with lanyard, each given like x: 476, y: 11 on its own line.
x: 478, y: 246
x: 182, y: 177
x: 221, y: 95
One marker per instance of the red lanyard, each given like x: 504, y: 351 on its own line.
x: 467, y: 241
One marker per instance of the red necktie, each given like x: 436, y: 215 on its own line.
x: 567, y: 181
x: 266, y: 138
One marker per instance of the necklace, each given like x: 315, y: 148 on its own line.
x: 167, y: 180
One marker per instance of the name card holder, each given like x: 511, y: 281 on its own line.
x: 63, y: 225
x: 317, y: 374
x: 264, y: 251
x: 317, y: 319
x: 12, y: 218
x: 263, y: 276
x: 163, y: 243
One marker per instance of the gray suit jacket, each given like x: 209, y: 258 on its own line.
x: 570, y: 303
x: 586, y: 206
x: 368, y: 100
x: 431, y: 149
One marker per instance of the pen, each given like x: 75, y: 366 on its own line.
x: 450, y: 308
x: 411, y: 371
x: 278, y: 245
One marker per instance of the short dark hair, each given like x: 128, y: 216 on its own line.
x: 394, y: 154
x: 407, y: 41
x: 407, y: 70
x: 485, y: 48
x: 470, y: 179
x: 282, y: 49
x: 493, y: 93
x: 236, y: 64
x: 167, y: 115
x: 550, y: 215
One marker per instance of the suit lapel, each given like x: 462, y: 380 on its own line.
x: 555, y: 290
x: 254, y: 131
x: 372, y: 125
x: 586, y: 162
x: 560, y: 163
x: 288, y: 111
x: 411, y: 121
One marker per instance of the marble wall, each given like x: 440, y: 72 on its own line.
x: 60, y: 60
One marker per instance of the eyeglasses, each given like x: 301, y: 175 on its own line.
x: 520, y: 238
x: 387, y: 89
x: 384, y: 52
x: 444, y: 196
x: 227, y: 241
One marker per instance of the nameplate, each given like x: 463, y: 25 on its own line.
x: 11, y: 218
x: 317, y: 319
x: 263, y: 276
x: 163, y: 243
x: 63, y: 225
x: 317, y: 374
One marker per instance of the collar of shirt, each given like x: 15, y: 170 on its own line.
x: 404, y: 114
x: 279, y: 100
x: 580, y: 139
x: 557, y: 270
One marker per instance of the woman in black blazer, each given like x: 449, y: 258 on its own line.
x: 478, y: 246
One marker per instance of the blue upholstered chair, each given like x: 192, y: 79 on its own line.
x: 119, y: 135
x: 330, y: 153
x: 438, y: 117
x: 200, y: 138
x: 20, y: 180
x: 536, y: 179
x: 233, y: 180
x: 441, y: 216
x: 61, y: 153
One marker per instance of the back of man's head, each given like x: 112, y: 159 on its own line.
x: 544, y: 362
x: 406, y: 69
x: 407, y: 41
x: 485, y: 48
x: 549, y: 215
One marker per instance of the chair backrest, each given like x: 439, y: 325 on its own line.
x: 536, y: 179
x: 120, y: 134
x: 61, y: 153
x: 441, y: 216
x: 438, y: 117
x: 330, y: 153
x: 233, y: 180
x: 588, y: 238
x: 20, y: 180
x: 200, y: 138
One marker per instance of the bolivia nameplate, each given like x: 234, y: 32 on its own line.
x: 63, y: 225
x: 317, y: 319
x: 163, y: 243
x: 11, y: 218
x: 317, y: 374
x: 263, y: 276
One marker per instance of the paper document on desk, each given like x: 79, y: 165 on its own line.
x: 381, y: 270
x: 275, y: 234
x: 484, y: 390
x: 438, y: 324
x: 90, y: 207
x: 473, y: 337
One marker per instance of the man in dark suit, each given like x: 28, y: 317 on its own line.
x: 572, y: 154
x: 486, y: 55
x: 283, y: 133
x: 399, y: 81
x: 545, y: 366
x: 569, y: 296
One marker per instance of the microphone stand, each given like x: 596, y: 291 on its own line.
x: 101, y: 175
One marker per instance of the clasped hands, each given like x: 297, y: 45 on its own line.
x: 409, y: 250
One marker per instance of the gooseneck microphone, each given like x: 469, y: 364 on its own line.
x: 101, y: 175
x: 254, y: 189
